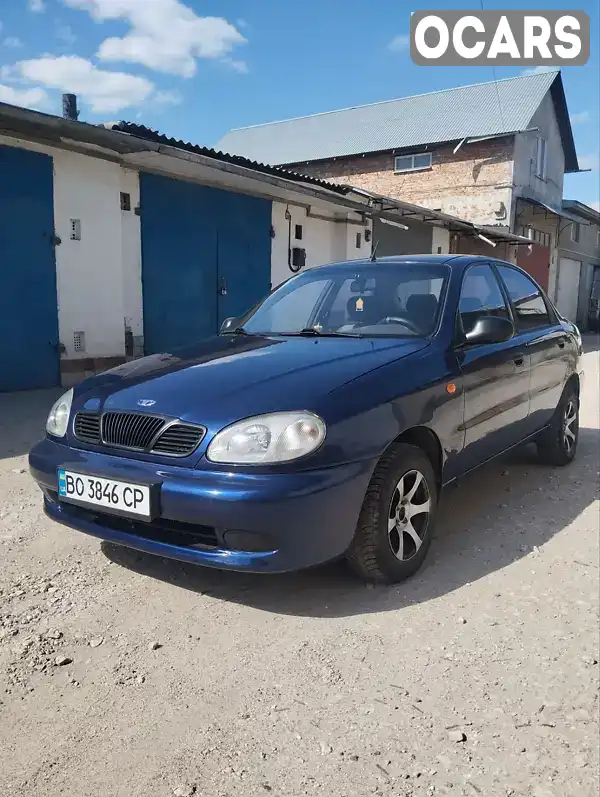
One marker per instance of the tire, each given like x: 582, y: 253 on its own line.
x: 385, y: 555
x: 557, y: 445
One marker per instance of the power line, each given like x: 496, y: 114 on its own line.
x: 496, y: 84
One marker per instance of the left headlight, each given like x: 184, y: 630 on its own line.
x: 58, y: 419
x: 267, y: 439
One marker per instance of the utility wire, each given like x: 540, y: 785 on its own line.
x: 496, y: 84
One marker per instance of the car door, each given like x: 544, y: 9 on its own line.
x: 544, y: 338
x: 495, y: 376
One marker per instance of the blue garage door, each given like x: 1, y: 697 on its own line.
x: 206, y: 255
x: 29, y: 351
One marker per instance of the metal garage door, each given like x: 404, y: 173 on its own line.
x: 567, y: 292
x: 206, y: 255
x: 29, y: 351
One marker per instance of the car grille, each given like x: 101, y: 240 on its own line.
x: 87, y: 427
x: 138, y: 432
x: 130, y: 429
x: 179, y: 440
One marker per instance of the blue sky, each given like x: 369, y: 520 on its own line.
x: 194, y: 69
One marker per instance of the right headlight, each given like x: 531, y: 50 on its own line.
x: 266, y: 439
x: 58, y: 419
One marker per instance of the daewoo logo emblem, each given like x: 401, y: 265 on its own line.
x: 146, y: 402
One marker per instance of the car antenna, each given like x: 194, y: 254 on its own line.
x: 374, y: 252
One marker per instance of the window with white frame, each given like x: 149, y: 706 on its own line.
x: 541, y: 158
x: 575, y: 232
x: 412, y: 163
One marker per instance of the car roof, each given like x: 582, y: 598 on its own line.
x: 424, y: 259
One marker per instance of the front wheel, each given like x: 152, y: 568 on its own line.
x: 557, y: 445
x: 396, y: 522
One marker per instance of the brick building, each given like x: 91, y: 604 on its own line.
x: 494, y: 154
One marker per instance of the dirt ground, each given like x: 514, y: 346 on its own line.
x: 126, y: 675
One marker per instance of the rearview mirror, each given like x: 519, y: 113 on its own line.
x: 229, y: 323
x: 490, y: 329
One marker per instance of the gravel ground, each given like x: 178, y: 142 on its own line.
x: 127, y: 675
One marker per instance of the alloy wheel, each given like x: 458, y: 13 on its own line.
x: 570, y: 425
x: 408, y: 516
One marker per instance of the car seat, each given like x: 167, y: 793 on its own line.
x: 421, y: 308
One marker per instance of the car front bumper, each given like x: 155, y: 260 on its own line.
x: 256, y: 522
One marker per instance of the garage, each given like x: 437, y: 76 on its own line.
x: 206, y: 255
x: 29, y: 356
x: 567, y: 289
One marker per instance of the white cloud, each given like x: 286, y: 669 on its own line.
x: 399, y: 44
x: 12, y: 41
x: 237, y: 66
x: 165, y: 35
x: 588, y: 162
x: 37, y: 6
x: 580, y: 118
x: 26, y: 98
x: 167, y: 98
x: 539, y: 70
x: 65, y: 34
x: 103, y: 91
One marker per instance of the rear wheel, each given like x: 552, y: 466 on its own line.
x: 557, y: 445
x: 396, y: 522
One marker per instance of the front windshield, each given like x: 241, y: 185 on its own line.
x: 365, y: 300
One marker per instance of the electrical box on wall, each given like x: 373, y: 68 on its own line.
x: 298, y: 257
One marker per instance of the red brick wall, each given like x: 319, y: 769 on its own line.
x: 469, y: 178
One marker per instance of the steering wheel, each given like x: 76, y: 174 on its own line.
x: 392, y: 319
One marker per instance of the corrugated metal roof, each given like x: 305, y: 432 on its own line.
x: 140, y: 131
x: 482, y: 109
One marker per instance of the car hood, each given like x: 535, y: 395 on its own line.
x: 237, y: 376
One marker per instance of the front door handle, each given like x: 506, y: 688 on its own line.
x: 519, y: 359
x: 561, y: 343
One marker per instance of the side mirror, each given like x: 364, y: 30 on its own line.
x: 229, y: 323
x: 490, y: 329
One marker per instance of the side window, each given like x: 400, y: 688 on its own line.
x: 529, y: 304
x: 480, y: 296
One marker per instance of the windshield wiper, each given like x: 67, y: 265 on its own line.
x: 316, y: 333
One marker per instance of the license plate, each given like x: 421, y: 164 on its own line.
x: 118, y: 497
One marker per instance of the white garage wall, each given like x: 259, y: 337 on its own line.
x: 132, y: 257
x: 91, y: 282
x: 440, y: 243
x: 324, y: 241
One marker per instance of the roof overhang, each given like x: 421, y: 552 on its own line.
x: 395, y: 210
x: 581, y: 210
x: 133, y: 151
x: 557, y: 92
x: 546, y: 209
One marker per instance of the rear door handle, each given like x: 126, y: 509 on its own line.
x: 561, y: 344
x: 519, y: 359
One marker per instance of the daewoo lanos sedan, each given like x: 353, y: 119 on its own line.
x: 322, y: 424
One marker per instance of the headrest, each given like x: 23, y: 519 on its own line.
x: 422, y: 304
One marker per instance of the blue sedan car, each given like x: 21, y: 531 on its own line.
x: 322, y: 424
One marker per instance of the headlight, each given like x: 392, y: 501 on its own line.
x: 265, y: 439
x: 58, y: 420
